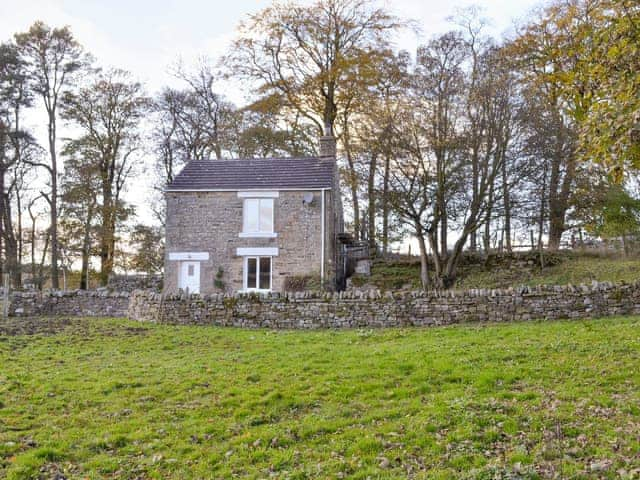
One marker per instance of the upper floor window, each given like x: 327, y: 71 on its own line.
x: 258, y: 216
x: 258, y: 213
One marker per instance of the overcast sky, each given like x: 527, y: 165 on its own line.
x: 147, y: 36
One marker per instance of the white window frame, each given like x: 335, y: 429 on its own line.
x: 257, y: 234
x: 257, y: 251
x: 245, y: 273
x: 178, y: 256
x: 258, y: 194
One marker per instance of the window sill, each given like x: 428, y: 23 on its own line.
x: 255, y: 290
x: 257, y: 235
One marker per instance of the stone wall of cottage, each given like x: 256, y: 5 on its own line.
x: 365, y: 309
x: 211, y: 222
x: 83, y: 303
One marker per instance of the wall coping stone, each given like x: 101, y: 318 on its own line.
x: 372, y: 294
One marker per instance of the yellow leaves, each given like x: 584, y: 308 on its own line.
x: 586, y: 54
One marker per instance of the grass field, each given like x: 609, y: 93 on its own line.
x: 118, y: 399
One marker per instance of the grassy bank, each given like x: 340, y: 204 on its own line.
x: 560, y: 270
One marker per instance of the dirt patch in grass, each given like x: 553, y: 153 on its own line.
x: 47, y: 326
x: 14, y: 326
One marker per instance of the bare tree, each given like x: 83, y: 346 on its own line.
x: 108, y: 111
x: 53, y: 57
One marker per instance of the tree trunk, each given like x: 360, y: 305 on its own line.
x: 352, y: 180
x: 385, y: 206
x: 556, y: 229
x: 437, y: 259
x: 86, y: 250
x: 42, y: 260
x: 20, y: 237
x: 443, y: 228
x: 424, y: 259
x: 53, y: 201
x: 556, y: 208
x: 486, y: 238
x: 33, y: 248
x: 107, y: 236
x: 371, y: 213
x: 473, y: 238
x: 541, y: 218
x: 2, y: 199
x: 559, y: 193
x: 11, y: 245
x: 506, y: 198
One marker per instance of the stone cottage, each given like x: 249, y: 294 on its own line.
x: 253, y: 225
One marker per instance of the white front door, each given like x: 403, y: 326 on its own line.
x: 190, y: 277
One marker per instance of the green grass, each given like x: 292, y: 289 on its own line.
x: 575, y: 269
x: 118, y: 399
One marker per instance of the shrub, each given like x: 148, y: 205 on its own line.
x: 299, y: 283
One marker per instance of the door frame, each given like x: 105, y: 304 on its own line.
x: 184, y: 265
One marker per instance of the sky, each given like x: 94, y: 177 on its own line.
x: 146, y: 37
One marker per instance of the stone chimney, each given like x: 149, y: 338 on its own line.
x: 327, y: 144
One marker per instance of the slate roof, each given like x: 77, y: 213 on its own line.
x: 256, y: 174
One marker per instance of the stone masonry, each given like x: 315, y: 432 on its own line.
x: 211, y: 222
x: 367, y: 309
x: 82, y: 303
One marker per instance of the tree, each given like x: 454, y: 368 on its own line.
x: 14, y: 140
x: 553, y: 56
x: 610, y: 128
x: 191, y: 123
x: 35, y: 236
x: 148, y: 243
x: 617, y: 215
x: 308, y: 54
x: 372, y: 142
x: 411, y: 191
x: 266, y: 128
x: 453, y: 139
x: 53, y: 58
x: 438, y: 89
x: 200, y: 120
x: 108, y: 111
x: 317, y: 60
x: 80, y: 190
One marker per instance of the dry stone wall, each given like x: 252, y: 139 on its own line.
x: 129, y: 283
x: 84, y: 303
x: 352, y: 309
x: 364, y: 309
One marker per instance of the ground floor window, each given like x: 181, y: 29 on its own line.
x: 257, y: 273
